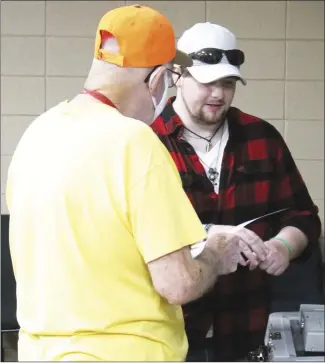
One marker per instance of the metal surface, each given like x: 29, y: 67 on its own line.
x: 296, y: 336
x: 312, y: 321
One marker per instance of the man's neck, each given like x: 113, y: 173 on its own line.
x: 201, y: 128
x: 126, y: 103
x: 117, y: 99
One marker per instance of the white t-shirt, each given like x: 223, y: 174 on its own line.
x: 212, y: 158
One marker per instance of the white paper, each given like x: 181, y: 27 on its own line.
x: 198, y: 247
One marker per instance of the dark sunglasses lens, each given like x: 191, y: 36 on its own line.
x: 213, y: 56
x: 209, y: 56
x: 235, y: 57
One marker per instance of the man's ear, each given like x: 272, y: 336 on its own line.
x: 155, y: 81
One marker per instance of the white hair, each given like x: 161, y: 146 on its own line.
x: 103, y: 74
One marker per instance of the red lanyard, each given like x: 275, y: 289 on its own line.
x: 100, y: 97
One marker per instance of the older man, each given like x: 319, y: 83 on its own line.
x: 234, y: 167
x: 100, y: 227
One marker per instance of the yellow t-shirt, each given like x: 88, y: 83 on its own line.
x: 93, y: 196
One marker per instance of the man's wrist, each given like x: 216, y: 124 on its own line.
x: 284, y: 243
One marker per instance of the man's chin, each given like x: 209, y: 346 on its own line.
x: 213, y: 119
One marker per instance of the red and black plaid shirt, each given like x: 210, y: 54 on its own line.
x: 258, y: 176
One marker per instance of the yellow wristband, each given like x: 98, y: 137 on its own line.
x: 286, y: 243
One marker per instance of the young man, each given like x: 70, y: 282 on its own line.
x: 100, y: 227
x: 234, y: 167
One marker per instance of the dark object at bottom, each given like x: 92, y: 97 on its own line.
x: 9, y: 349
x: 201, y: 352
x: 261, y: 354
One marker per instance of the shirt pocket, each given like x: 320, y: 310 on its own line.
x: 194, y: 182
x: 253, y: 184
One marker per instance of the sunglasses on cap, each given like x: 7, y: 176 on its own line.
x: 213, y: 56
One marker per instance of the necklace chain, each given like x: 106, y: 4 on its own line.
x: 208, y: 140
x: 212, y: 173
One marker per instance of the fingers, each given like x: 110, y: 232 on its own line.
x: 244, y: 248
x: 279, y: 271
x: 242, y: 260
x: 272, y: 268
x: 240, y: 246
x: 238, y: 251
x: 256, y: 244
x: 253, y: 242
x: 276, y: 269
x: 249, y: 254
x: 247, y: 236
x: 266, y: 264
x: 274, y: 265
x: 258, y: 249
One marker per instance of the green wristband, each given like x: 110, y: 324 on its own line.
x: 286, y: 243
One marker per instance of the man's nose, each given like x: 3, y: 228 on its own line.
x: 217, y: 91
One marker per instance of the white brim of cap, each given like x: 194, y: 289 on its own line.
x: 208, y: 73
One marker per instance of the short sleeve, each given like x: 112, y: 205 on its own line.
x: 162, y: 218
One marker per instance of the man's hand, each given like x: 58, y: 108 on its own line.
x: 226, y: 249
x: 249, y: 243
x: 278, y: 258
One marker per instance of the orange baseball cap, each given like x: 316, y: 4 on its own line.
x: 145, y: 37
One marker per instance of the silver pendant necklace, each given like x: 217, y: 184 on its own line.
x: 212, y: 172
x: 208, y: 140
x: 208, y: 147
x: 213, y: 175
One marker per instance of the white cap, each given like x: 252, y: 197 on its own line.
x: 208, y: 35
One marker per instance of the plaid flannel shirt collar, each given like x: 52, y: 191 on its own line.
x: 169, y: 122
